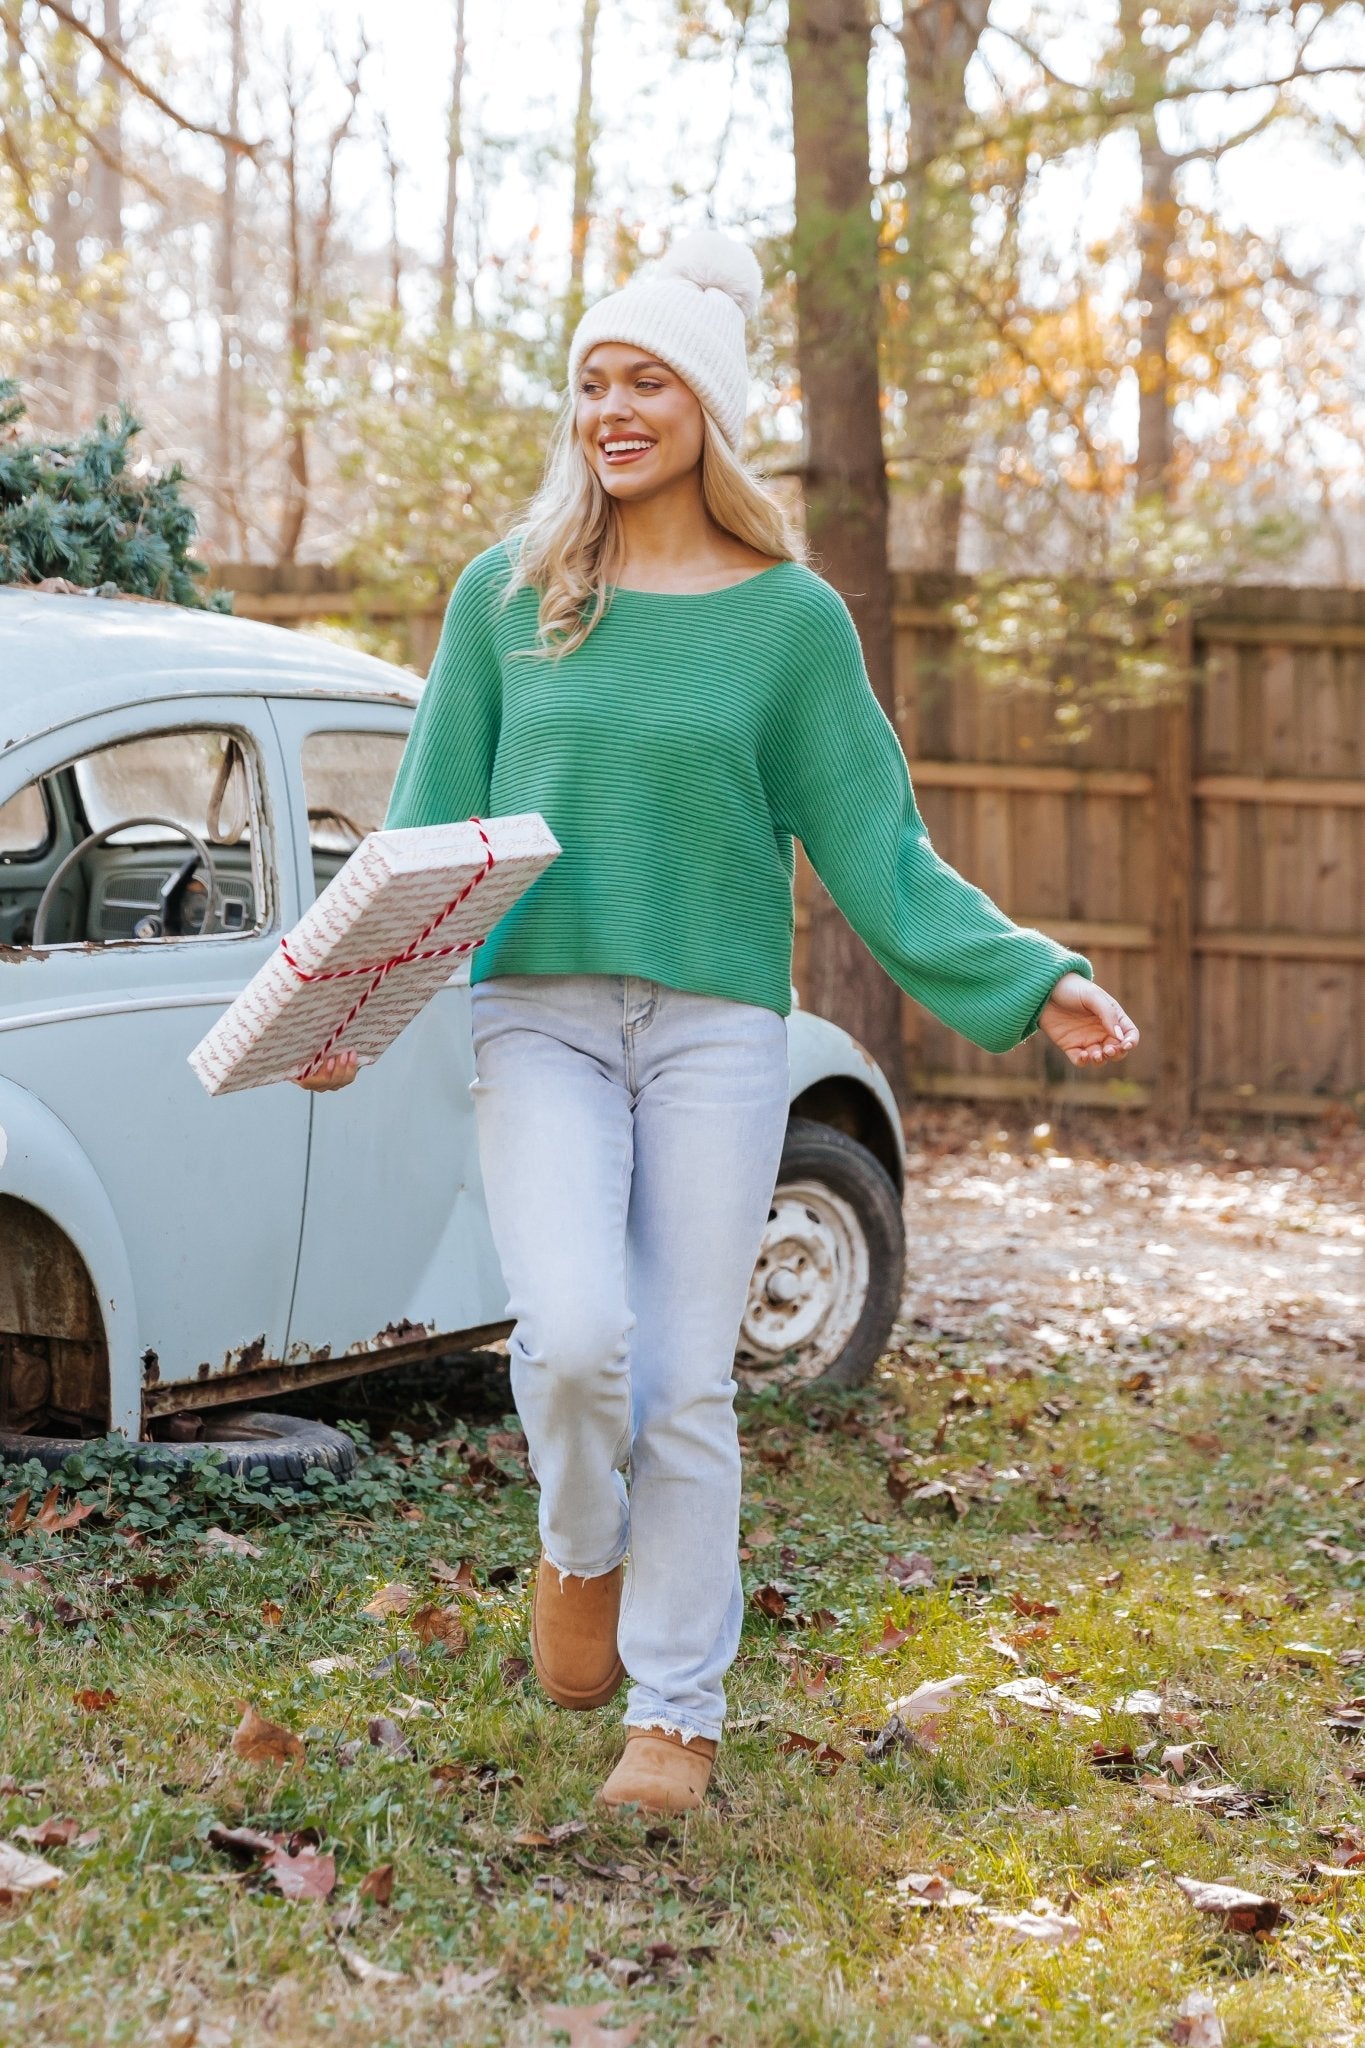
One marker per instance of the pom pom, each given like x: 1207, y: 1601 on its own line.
x: 712, y: 259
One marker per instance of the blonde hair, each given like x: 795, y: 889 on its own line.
x: 569, y: 543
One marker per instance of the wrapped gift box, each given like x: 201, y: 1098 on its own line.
x: 382, y: 937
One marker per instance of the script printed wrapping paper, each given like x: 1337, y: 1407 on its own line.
x: 374, y: 948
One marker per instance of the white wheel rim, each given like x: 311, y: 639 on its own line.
x: 808, y: 1290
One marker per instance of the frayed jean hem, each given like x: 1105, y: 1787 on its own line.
x: 566, y: 1573
x: 673, y: 1724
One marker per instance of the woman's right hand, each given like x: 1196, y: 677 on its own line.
x: 338, y: 1070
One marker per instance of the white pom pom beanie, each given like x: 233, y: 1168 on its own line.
x: 689, y: 311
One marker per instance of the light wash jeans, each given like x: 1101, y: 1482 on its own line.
x: 629, y: 1135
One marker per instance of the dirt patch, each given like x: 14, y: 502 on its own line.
x: 1246, y: 1250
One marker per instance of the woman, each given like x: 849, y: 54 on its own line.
x: 648, y: 662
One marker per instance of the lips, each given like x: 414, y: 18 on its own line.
x: 618, y: 457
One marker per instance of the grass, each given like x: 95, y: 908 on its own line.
x: 1190, y: 1527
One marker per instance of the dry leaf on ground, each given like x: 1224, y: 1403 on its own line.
x: 395, y: 1598
x: 258, y: 1741
x: 1144, y: 1703
x: 1244, y: 1912
x: 460, y: 1578
x: 54, y: 1524
x: 932, y: 1697
x: 583, y: 2025
x: 21, y: 1873
x: 443, y: 1625
x: 1041, y: 1923
x: 225, y: 1539
x: 366, y: 1972
x: 272, y: 1614
x: 1047, y: 1699
x: 323, y: 1667
x: 456, y: 1983
x: 307, y: 1874
x: 52, y: 1833
x: 927, y: 1888
x: 1196, y: 2023
x: 377, y: 1884
x: 892, y: 1638
x: 92, y: 1702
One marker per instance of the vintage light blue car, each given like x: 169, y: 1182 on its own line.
x: 175, y: 786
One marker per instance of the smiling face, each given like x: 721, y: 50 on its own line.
x: 626, y: 397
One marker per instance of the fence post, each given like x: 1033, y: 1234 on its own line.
x: 1174, y: 825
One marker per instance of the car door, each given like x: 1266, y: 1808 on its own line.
x: 396, y: 1244
x: 97, y: 1021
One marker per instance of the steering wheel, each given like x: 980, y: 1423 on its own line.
x: 171, y: 889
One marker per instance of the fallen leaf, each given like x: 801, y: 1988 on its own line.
x: 91, y: 1702
x: 1037, y: 1693
x: 21, y: 1873
x: 1348, y: 1718
x: 912, y: 1571
x: 386, y: 1734
x: 323, y: 1667
x: 1006, y: 1650
x: 456, y: 1983
x: 1243, y: 1912
x: 366, y: 1972
x: 443, y: 1625
x: 258, y: 1741
x: 18, y: 1514
x: 512, y: 1670
x: 1114, y: 1763
x: 52, y: 1833
x: 769, y: 1600
x: 244, y: 1844
x: 583, y: 2025
x: 395, y: 1598
x: 460, y: 1578
x: 1144, y: 1703
x: 1196, y: 2023
x: 22, y: 1575
x: 272, y: 1614
x: 925, y: 1888
x: 934, y: 1696
x: 307, y: 1874
x: 377, y: 1884
x: 822, y: 1754
x: 1033, y: 1610
x: 1044, y: 1923
x: 225, y: 1539
x: 939, y: 1490
x: 892, y: 1638
x: 53, y: 1524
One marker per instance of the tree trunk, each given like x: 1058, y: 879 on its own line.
x: 1156, y: 227
x: 938, y: 38
x: 445, y: 296
x: 225, y: 449
x: 838, y: 324
x: 106, y: 210
x: 67, y: 208
x: 582, y: 172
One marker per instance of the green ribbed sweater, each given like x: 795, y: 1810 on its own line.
x: 674, y: 755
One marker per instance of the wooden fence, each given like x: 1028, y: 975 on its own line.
x: 1209, y: 858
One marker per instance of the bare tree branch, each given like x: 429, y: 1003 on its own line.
x: 116, y: 61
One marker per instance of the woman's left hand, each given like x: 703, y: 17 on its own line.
x: 1086, y: 1022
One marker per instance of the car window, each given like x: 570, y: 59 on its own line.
x: 197, y: 778
x: 347, y: 780
x: 25, y: 824
x: 147, y: 881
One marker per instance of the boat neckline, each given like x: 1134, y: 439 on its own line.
x: 698, y: 596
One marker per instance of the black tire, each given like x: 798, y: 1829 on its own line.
x: 284, y: 1446
x: 816, y: 1152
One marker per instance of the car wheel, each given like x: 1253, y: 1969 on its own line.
x: 284, y: 1446
x: 827, y: 1283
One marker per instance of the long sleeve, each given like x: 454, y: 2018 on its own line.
x: 447, y: 765
x: 838, y: 780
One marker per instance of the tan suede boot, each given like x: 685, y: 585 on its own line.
x: 573, y: 1636
x: 660, y: 1772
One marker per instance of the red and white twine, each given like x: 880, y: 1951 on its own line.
x: 380, y: 970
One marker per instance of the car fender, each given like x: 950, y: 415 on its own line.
x: 818, y: 1050
x: 42, y: 1164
